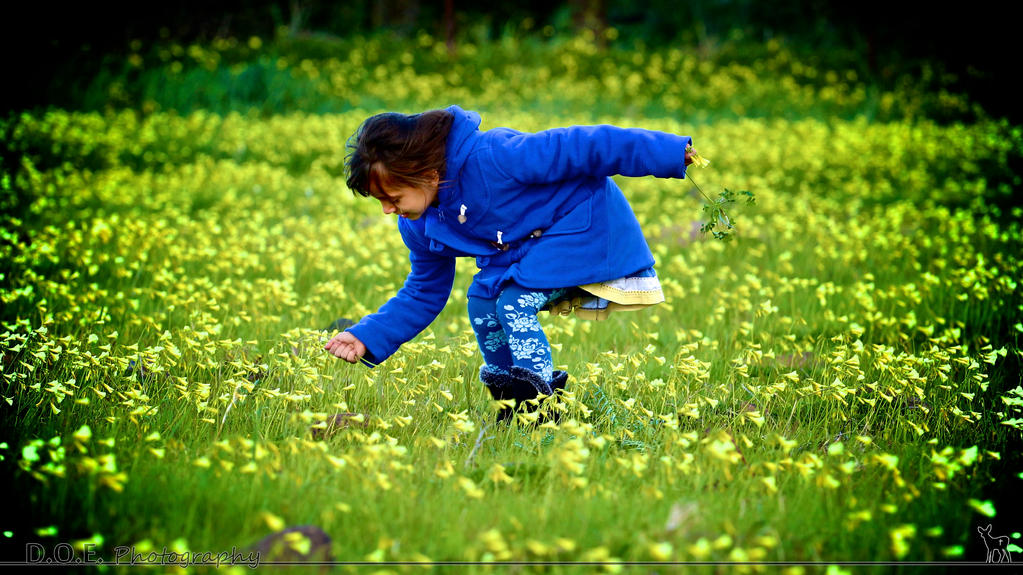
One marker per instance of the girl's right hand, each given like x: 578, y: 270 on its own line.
x: 346, y: 346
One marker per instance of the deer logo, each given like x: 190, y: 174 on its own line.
x: 997, y: 547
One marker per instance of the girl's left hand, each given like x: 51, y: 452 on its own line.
x: 689, y: 155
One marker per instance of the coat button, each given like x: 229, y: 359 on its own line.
x: 536, y: 233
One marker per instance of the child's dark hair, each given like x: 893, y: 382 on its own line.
x: 398, y: 149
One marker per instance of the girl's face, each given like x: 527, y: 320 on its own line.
x: 406, y: 201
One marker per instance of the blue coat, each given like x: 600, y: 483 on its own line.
x: 537, y: 209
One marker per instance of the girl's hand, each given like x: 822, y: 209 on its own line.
x: 346, y: 346
x: 694, y: 157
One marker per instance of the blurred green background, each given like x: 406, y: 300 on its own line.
x: 73, y: 55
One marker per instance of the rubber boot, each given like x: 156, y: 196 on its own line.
x: 501, y: 385
x: 521, y: 385
x: 559, y: 381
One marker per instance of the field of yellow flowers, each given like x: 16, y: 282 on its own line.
x: 838, y: 382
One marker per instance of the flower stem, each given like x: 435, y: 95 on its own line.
x: 697, y: 186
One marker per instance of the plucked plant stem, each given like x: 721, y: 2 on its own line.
x: 715, y: 208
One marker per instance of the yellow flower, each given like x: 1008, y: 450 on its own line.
x: 660, y: 551
x: 444, y: 470
x: 701, y: 549
x: 272, y: 521
x: 84, y: 434
x: 537, y: 547
x: 899, y: 537
x: 298, y: 542
x: 697, y: 160
x: 470, y: 488
x: 498, y: 475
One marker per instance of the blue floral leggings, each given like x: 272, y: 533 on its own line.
x: 508, y: 331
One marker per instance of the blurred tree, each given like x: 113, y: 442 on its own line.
x: 449, y: 25
x: 591, y: 16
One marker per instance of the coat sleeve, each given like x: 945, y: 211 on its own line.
x: 590, y: 151
x: 416, y: 304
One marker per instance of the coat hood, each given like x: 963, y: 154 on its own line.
x: 459, y: 145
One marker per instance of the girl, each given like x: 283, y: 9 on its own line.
x: 547, y: 225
